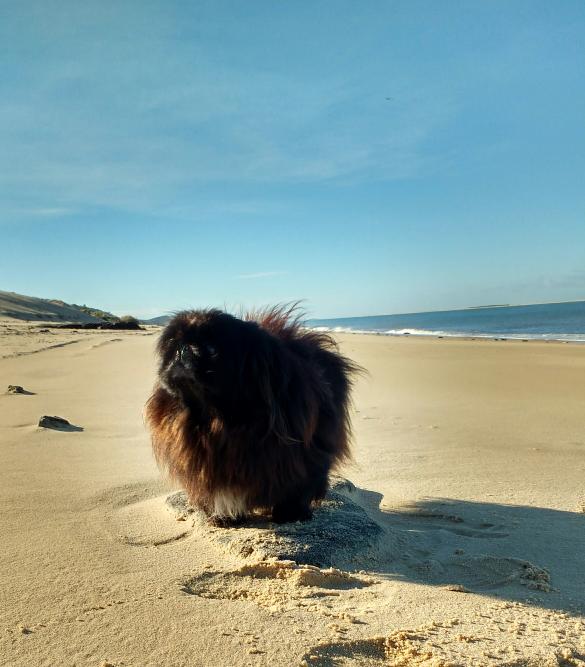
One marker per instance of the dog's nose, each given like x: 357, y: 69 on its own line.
x: 186, y: 355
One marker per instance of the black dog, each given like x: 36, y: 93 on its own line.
x: 250, y: 414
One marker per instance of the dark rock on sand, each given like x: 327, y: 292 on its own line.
x: 16, y: 389
x: 117, y: 326
x: 340, y: 534
x: 58, y: 423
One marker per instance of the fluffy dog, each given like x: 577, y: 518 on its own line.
x: 250, y: 414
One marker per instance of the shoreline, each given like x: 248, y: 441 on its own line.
x: 449, y: 336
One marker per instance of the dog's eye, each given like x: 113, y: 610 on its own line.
x: 211, y: 350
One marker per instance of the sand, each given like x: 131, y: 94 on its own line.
x: 468, y: 473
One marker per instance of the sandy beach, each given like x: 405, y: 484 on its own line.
x: 469, y: 460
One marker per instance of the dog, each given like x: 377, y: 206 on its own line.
x: 250, y: 414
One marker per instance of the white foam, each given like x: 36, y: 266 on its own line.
x: 572, y: 338
x: 413, y: 332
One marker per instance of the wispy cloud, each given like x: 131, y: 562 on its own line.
x: 83, y: 131
x: 260, y: 275
x: 41, y: 212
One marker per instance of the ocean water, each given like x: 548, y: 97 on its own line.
x: 548, y: 321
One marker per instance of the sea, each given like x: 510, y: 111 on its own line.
x: 543, y: 321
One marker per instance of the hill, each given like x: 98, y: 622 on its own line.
x: 29, y: 308
x: 162, y: 320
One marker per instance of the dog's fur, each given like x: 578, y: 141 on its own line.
x: 250, y: 414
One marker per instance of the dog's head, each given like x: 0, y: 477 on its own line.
x: 211, y: 359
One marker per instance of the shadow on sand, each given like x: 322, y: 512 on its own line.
x: 510, y: 552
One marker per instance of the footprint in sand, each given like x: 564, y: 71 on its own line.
x: 139, y: 517
x: 146, y: 524
x: 486, y: 572
x: 431, y: 553
x: 452, y: 524
x: 482, y: 573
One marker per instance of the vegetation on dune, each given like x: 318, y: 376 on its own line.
x: 97, y: 312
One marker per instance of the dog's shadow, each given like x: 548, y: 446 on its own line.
x: 514, y: 552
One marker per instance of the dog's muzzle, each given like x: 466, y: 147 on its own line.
x: 186, y: 356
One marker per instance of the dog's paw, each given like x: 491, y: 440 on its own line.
x: 217, y: 521
x: 291, y: 513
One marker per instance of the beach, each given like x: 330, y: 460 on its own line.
x: 469, y: 455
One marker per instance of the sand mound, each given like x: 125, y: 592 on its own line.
x: 276, y: 585
x: 301, y: 575
x: 340, y: 534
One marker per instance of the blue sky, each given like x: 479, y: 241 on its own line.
x: 369, y: 158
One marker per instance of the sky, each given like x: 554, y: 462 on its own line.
x: 366, y: 158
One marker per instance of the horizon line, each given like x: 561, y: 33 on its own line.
x: 451, y: 310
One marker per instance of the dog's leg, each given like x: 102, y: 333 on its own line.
x: 226, y: 509
x: 294, y: 507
